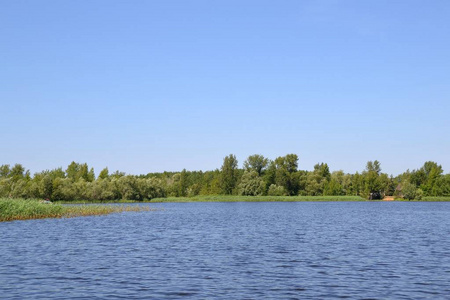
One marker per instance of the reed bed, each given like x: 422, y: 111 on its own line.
x: 19, y: 209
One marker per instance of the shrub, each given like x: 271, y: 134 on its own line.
x: 276, y: 190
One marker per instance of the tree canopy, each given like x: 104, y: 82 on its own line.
x: 259, y: 176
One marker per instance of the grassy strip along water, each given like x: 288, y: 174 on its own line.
x: 435, y: 199
x: 234, y: 198
x: 19, y: 209
x: 228, y: 198
x: 223, y: 198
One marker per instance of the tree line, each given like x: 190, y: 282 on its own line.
x: 257, y: 176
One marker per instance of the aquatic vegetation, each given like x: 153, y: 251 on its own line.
x: 20, y: 209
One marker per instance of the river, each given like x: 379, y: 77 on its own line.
x: 242, y: 250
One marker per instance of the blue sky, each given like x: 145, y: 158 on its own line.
x: 148, y: 86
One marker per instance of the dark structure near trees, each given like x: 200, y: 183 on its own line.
x: 375, y: 196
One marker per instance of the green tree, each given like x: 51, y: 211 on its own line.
x: 373, y: 166
x: 323, y: 171
x: 211, y: 183
x: 341, y: 181
x: 444, y: 183
x: 63, y: 189
x: 76, y: 171
x: 17, y: 172
x: 81, y: 188
x: 410, y: 191
x: 257, y: 163
x: 333, y: 188
x: 150, y: 188
x: 251, y: 184
x: 184, y: 183
x: 20, y: 188
x: 4, y: 171
x: 229, y: 174
x: 104, y: 173
x: 5, y: 187
x: 73, y: 170
x: 117, y: 174
x: 315, y: 184
x: 46, y: 187
x: 372, y: 183
x: 128, y: 189
x: 179, y: 184
x: 433, y: 172
x: 286, y: 173
x: 416, y: 177
x: 85, y: 173
x: 356, y: 185
x: 269, y: 176
x: 318, y: 179
x: 431, y: 167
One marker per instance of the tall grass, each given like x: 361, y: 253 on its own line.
x: 223, y: 198
x: 430, y: 198
x: 19, y: 209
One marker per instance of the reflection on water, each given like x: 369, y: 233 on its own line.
x: 280, y: 250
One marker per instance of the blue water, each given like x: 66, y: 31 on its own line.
x: 303, y: 250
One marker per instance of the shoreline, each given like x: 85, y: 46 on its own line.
x: 222, y: 198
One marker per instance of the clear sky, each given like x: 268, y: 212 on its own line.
x: 148, y: 86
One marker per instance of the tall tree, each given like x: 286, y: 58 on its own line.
x: 73, y: 170
x: 257, y: 163
x: 372, y: 182
x: 323, y: 171
x: 4, y: 171
x: 373, y: 166
x: 229, y: 174
x: 104, y: 173
x: 433, y: 172
x: 76, y: 171
x: 17, y: 172
x: 286, y: 173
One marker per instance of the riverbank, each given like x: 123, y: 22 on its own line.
x: 228, y: 198
x: 224, y: 198
x: 428, y: 199
x: 19, y: 209
x: 233, y: 198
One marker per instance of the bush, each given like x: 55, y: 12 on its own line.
x: 276, y: 190
x: 410, y: 192
x: 251, y: 184
x: 419, y: 194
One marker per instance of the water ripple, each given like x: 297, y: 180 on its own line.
x: 233, y: 250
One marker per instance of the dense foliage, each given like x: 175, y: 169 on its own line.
x: 258, y: 177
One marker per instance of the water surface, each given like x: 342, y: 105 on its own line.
x: 243, y: 250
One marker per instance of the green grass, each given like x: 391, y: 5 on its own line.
x: 228, y: 198
x: 440, y: 199
x: 99, y: 201
x: 232, y: 198
x: 223, y: 198
x: 427, y: 199
x: 19, y: 209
